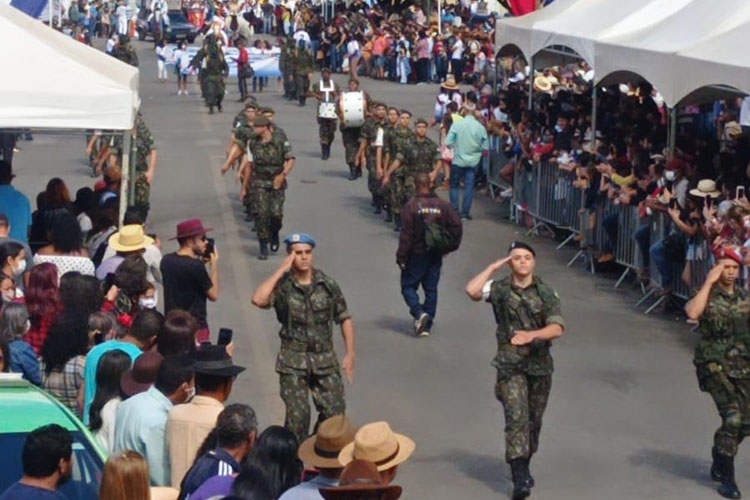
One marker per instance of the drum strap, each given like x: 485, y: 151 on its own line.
x: 327, y: 89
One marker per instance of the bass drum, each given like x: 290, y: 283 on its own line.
x: 353, y: 108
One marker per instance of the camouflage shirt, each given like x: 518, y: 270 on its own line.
x: 307, y: 314
x: 401, y: 140
x: 304, y: 62
x: 388, y: 136
x: 530, y: 308
x: 144, y: 144
x: 725, y: 331
x: 268, y: 159
x: 369, y: 133
x: 240, y: 120
x: 125, y: 53
x: 419, y: 156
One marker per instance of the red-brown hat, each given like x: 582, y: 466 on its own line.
x: 728, y: 253
x: 190, y: 228
x: 357, y: 477
x: 143, y: 373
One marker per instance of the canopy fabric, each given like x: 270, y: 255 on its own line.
x: 55, y: 82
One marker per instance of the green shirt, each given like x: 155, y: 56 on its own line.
x: 468, y: 138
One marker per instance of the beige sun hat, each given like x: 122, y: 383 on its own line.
x: 322, y: 450
x: 378, y: 443
x: 706, y: 187
x: 130, y: 239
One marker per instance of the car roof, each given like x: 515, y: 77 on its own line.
x: 26, y: 407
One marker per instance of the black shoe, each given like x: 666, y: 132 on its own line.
x: 728, y: 487
x: 715, y: 466
x: 529, y: 478
x: 352, y: 173
x: 359, y: 172
x: 397, y: 222
x: 275, y: 242
x: 221, y: 110
x: 378, y: 209
x: 210, y: 110
x: 466, y: 217
x: 263, y: 255
x: 388, y: 215
x: 521, y: 487
x: 248, y: 218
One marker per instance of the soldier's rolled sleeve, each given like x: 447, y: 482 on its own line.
x: 288, y: 155
x: 553, y: 312
x: 340, y: 309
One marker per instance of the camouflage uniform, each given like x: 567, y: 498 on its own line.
x: 722, y: 361
x: 370, y: 134
x: 350, y: 136
x: 417, y: 157
x: 268, y: 203
x: 306, y: 361
x: 524, y: 373
x: 125, y: 53
x: 400, y: 142
x: 304, y: 64
x: 144, y: 144
x: 243, y: 134
x: 213, y: 73
x: 286, y: 65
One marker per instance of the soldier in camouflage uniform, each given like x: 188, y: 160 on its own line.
x: 399, y: 144
x: 351, y: 135
x: 286, y: 67
x: 145, y: 165
x: 124, y: 51
x: 388, y: 139
x: 242, y: 133
x: 370, y: 153
x: 304, y: 65
x: 216, y: 68
x: 528, y: 316
x: 272, y: 160
x: 327, y: 91
x: 722, y: 361
x: 307, y: 303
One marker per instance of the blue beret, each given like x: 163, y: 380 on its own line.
x: 299, y: 238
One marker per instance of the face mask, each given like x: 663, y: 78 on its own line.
x: 21, y: 267
x: 558, y: 128
x: 669, y: 175
x: 190, y: 394
x: 147, y: 302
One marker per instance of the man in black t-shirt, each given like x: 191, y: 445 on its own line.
x: 187, y: 284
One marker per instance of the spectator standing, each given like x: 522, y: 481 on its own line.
x: 457, y: 55
x: 423, y: 58
x: 321, y: 451
x: 66, y: 250
x: 236, y: 430
x: 12, y: 267
x: 142, y: 419
x: 103, y: 411
x: 151, y: 252
x: 361, y: 479
x: 190, y: 423
x: 14, y: 323
x: 47, y: 464
x: 376, y: 442
x: 243, y: 63
x: 55, y: 200
x: 140, y: 337
x: 125, y: 477
x: 64, y: 360
x: 5, y: 231
x: 420, y: 264
x: 161, y: 61
x: 177, y: 334
x: 14, y: 204
x: 187, y: 285
x: 469, y: 141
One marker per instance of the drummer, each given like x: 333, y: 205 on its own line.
x: 351, y: 135
x: 327, y: 93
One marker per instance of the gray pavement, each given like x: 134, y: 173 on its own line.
x: 625, y: 420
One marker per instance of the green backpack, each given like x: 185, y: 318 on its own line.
x: 437, y: 238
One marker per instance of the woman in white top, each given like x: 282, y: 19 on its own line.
x: 66, y: 250
x: 103, y: 411
x: 354, y: 51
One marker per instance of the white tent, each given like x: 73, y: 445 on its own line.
x: 52, y: 81
x: 651, y: 52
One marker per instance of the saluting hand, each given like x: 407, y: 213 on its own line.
x: 500, y: 263
x: 522, y: 337
x: 286, y: 264
x: 715, y: 273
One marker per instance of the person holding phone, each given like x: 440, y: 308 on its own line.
x: 307, y: 303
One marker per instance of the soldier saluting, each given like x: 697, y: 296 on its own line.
x: 722, y: 360
x: 528, y: 316
x: 307, y: 303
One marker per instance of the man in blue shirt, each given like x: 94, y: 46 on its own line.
x: 47, y: 464
x: 469, y: 141
x: 14, y: 204
x: 142, y: 419
x: 139, y: 338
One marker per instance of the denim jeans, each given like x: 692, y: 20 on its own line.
x: 268, y: 24
x: 662, y: 263
x: 458, y: 173
x: 421, y: 270
x: 610, y: 224
x: 642, y: 238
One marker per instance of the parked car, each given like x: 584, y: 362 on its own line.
x: 178, y: 28
x: 25, y: 408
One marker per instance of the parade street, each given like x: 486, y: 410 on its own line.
x: 625, y: 420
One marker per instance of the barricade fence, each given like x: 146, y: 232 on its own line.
x: 545, y: 194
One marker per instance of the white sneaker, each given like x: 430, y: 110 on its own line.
x: 179, y: 92
x: 506, y: 193
x: 420, y: 324
x: 185, y: 92
x: 425, y: 333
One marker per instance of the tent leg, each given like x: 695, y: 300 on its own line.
x: 672, y: 131
x: 531, y: 84
x: 593, y: 119
x: 127, y: 181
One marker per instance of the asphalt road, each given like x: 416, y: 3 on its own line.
x: 625, y: 420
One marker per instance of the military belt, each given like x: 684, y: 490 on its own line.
x: 310, y: 346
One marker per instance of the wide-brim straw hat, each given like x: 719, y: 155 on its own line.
x: 706, y: 187
x: 378, y: 443
x: 322, y: 450
x: 542, y: 84
x: 450, y: 84
x: 130, y: 239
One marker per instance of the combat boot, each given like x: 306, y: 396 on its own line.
x: 210, y: 110
x: 352, y: 173
x: 275, y: 242
x: 519, y: 472
x: 715, y: 465
x: 529, y: 478
x: 388, y: 215
x: 263, y: 255
x: 397, y: 222
x: 728, y: 487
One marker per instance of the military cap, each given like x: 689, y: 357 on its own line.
x: 728, y: 253
x: 326, y: 70
x: 299, y: 238
x: 124, y: 38
x: 269, y: 110
x: 521, y: 244
x: 261, y: 121
x: 250, y: 102
x: 421, y: 121
x: 378, y: 105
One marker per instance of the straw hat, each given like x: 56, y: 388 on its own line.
x: 130, y: 239
x: 542, y: 84
x: 378, y: 443
x: 322, y: 450
x: 450, y: 84
x: 706, y: 187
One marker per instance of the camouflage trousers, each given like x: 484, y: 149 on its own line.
x: 214, y: 90
x: 373, y: 183
x: 142, y: 193
x: 395, y: 190
x: 289, y: 89
x: 326, y: 130
x: 524, y: 398
x: 301, y: 85
x: 350, y: 136
x: 328, y: 397
x: 203, y: 83
x: 268, y: 210
x: 732, y: 398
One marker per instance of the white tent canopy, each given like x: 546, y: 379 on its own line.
x: 55, y: 82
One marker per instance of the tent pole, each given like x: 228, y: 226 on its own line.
x: 593, y: 119
x: 125, y: 192
x: 672, y: 131
x: 440, y: 17
x: 531, y: 84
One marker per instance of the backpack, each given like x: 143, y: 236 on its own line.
x: 438, y: 239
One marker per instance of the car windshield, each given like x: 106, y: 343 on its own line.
x: 87, y: 466
x: 177, y: 18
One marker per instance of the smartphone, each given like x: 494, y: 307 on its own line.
x: 740, y: 192
x: 225, y: 336
x: 209, y: 247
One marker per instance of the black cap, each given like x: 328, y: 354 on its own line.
x: 521, y: 244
